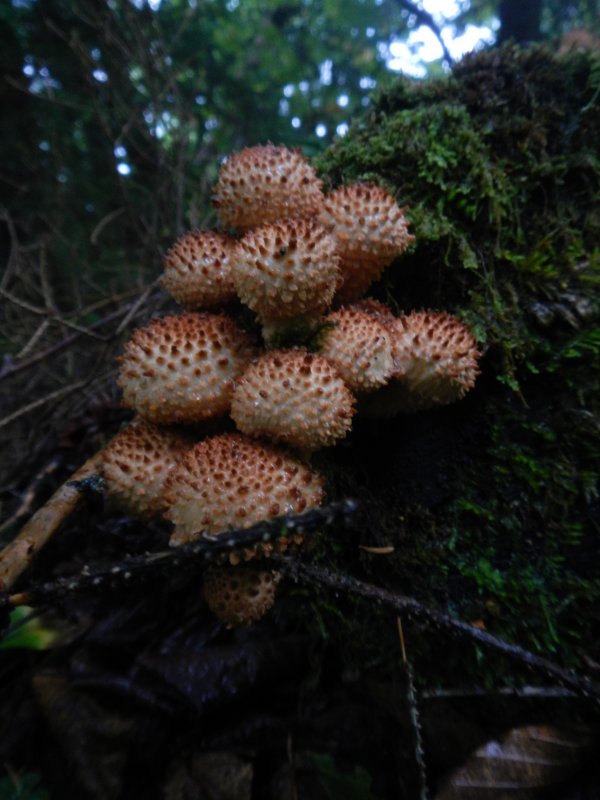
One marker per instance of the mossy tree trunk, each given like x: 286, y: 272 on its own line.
x: 492, y: 503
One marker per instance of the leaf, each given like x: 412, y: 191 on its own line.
x: 218, y: 776
x: 22, y: 787
x: 524, y: 763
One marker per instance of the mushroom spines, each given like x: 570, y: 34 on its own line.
x: 287, y: 268
x: 360, y: 346
x: 181, y: 368
x: 240, y: 595
x: 197, y: 269
x: 231, y: 480
x: 294, y: 397
x: 265, y: 183
x: 136, y: 462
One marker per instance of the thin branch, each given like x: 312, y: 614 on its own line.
x: 427, y: 19
x: 187, y: 557
x: 17, y: 555
x: 320, y: 576
x: 50, y: 315
x: 62, y: 392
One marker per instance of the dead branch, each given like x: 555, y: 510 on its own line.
x: 17, y: 555
x: 413, y: 609
x: 205, y: 550
x: 63, y: 391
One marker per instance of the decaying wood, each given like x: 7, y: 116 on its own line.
x: 17, y: 555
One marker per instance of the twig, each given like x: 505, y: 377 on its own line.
x: 415, y: 721
x: 13, y: 369
x: 427, y: 19
x: 17, y: 555
x: 106, y: 220
x: 413, y: 609
x: 65, y: 390
x: 51, y: 315
x: 190, y: 556
x: 30, y: 493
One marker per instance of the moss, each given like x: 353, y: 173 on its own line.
x: 492, y: 504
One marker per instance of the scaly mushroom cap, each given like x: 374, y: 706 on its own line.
x: 232, y: 481
x: 198, y: 269
x: 371, y: 230
x: 287, y: 268
x: 359, y: 345
x: 136, y: 463
x: 436, y: 360
x: 182, y: 368
x: 295, y: 397
x: 263, y: 184
x: 240, y: 595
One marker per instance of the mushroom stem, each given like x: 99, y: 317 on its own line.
x: 19, y: 553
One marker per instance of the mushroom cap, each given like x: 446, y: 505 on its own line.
x: 231, y: 480
x: 371, y: 231
x: 265, y: 183
x: 360, y: 346
x: 136, y: 463
x: 240, y: 595
x: 287, y: 268
x: 182, y: 368
x: 436, y: 362
x: 197, y: 269
x: 294, y: 397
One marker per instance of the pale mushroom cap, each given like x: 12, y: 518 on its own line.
x: 197, y: 269
x: 182, y: 368
x: 436, y: 362
x: 287, y: 269
x: 371, y: 231
x: 263, y: 184
x: 240, y: 595
x: 359, y: 345
x: 232, y: 481
x: 294, y: 397
x: 136, y: 463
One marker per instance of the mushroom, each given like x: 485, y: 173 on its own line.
x: 436, y: 362
x: 294, y: 397
x: 359, y: 345
x: 182, y: 368
x: 371, y: 231
x: 265, y: 183
x: 231, y: 480
x: 287, y: 269
x: 240, y: 595
x: 197, y: 269
x: 136, y: 462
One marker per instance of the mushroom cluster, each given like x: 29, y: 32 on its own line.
x: 299, y: 259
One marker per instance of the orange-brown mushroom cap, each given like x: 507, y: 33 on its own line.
x: 371, y: 231
x: 263, y: 184
x: 294, y: 397
x: 360, y: 346
x: 233, y: 481
x: 136, y: 462
x: 240, y: 595
x: 287, y: 269
x: 197, y: 269
x: 182, y: 368
x: 436, y: 362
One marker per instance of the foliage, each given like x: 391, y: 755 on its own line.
x: 22, y: 787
